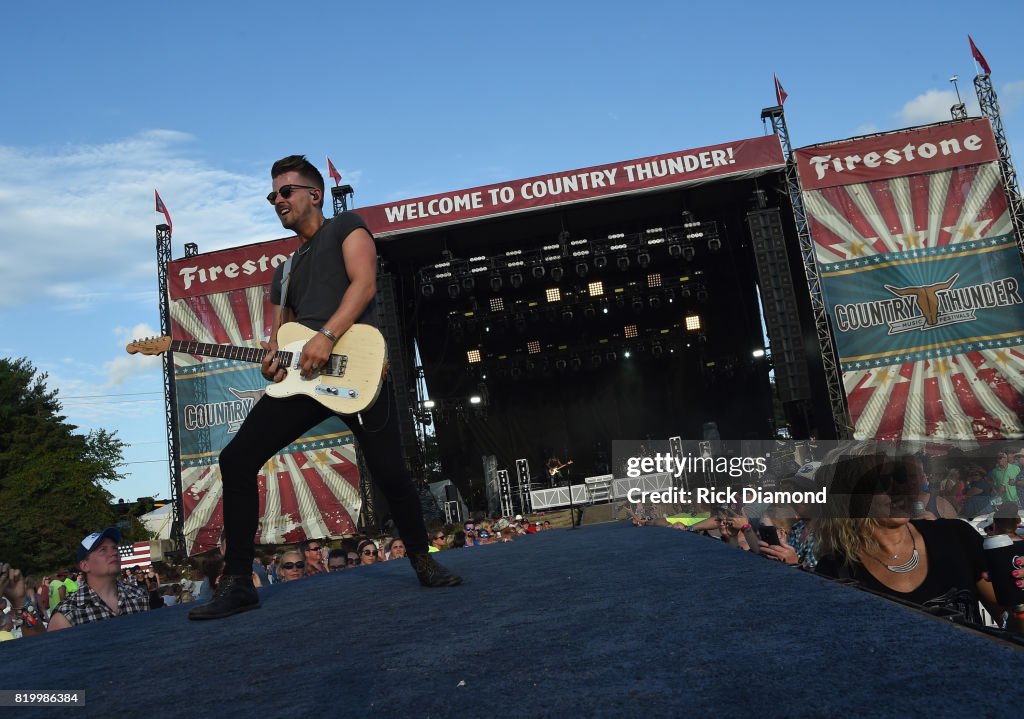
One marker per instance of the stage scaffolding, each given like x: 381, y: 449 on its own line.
x: 989, y: 104
x: 833, y: 378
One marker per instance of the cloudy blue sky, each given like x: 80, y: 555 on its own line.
x: 103, y: 103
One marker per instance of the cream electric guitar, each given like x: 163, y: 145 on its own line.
x: 347, y: 384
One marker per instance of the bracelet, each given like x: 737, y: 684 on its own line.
x: 328, y: 334
x: 745, y: 528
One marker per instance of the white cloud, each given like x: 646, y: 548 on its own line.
x: 932, y: 106
x: 126, y: 366
x: 78, y: 221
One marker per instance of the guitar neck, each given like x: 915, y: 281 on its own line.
x: 242, y: 354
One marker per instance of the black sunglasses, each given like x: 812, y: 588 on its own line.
x: 352, y: 561
x: 286, y: 192
x: 312, y: 549
x: 369, y: 553
x: 293, y: 565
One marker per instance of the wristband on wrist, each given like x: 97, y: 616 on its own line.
x: 745, y: 527
x: 328, y: 334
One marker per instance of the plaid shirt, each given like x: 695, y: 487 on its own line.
x: 85, y: 605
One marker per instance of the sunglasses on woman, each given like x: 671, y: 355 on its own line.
x: 294, y: 565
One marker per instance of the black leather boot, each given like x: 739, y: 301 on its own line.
x: 234, y: 594
x: 432, y: 574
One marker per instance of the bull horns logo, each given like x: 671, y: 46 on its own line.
x: 926, y: 296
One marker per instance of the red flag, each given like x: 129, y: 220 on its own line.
x: 780, y: 94
x: 333, y: 172
x: 979, y: 57
x: 161, y: 207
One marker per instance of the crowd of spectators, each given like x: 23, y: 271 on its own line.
x: 903, y: 524
x: 67, y: 597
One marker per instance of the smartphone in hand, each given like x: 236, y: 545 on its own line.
x: 769, y: 535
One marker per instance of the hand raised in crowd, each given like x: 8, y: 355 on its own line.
x: 12, y: 584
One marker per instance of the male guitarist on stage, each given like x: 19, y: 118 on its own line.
x: 332, y: 286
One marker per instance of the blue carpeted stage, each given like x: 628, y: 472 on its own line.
x: 607, y: 620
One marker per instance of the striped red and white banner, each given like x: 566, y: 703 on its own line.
x: 135, y: 555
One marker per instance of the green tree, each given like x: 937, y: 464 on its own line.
x: 51, y: 492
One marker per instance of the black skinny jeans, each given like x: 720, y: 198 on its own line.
x: 273, y: 424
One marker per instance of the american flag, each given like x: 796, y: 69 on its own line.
x: 135, y: 555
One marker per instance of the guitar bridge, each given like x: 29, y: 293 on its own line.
x: 337, y: 365
x: 331, y: 391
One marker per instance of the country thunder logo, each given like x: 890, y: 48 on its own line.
x: 229, y: 413
x: 926, y: 307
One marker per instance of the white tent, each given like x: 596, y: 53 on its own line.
x: 158, y: 522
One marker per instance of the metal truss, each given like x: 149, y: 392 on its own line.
x: 833, y: 377
x: 341, y: 195
x: 990, y: 108
x: 163, y: 257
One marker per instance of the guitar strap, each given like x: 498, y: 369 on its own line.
x: 286, y: 278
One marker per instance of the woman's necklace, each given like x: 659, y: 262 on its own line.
x: 909, y: 565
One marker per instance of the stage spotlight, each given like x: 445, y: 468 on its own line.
x: 595, y: 289
x: 758, y: 353
x: 582, y: 269
x: 553, y: 294
x: 653, y: 280
x: 468, y: 284
x: 473, y: 356
x: 453, y: 290
x: 600, y: 262
x: 714, y: 244
x: 497, y: 304
x: 533, y: 347
x: 627, y: 354
x: 576, y: 363
x: 656, y: 349
x: 638, y: 304
x: 560, y: 364
x: 689, y: 253
x: 475, y: 399
x: 622, y: 262
x: 630, y: 332
x: 685, y: 293
x: 429, y: 404
x: 427, y: 289
x: 693, y: 323
x: 495, y: 283
x: 702, y: 295
x: 643, y: 258
x: 589, y: 312
x: 566, y: 315
x: 654, y: 301
x: 537, y: 271
x: 675, y: 251
x: 595, y: 360
x: 516, y: 280
x: 611, y: 355
x: 557, y: 273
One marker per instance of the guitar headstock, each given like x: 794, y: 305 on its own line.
x: 149, y: 346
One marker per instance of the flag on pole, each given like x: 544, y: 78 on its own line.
x: 780, y: 94
x: 161, y: 207
x: 979, y: 57
x: 333, y: 172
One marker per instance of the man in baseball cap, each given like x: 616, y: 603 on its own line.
x: 102, y: 595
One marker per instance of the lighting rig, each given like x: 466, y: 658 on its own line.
x: 615, y: 279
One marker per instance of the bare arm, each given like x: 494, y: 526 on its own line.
x: 58, y: 621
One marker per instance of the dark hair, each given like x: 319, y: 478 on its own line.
x: 299, y: 164
x: 336, y: 554
x: 459, y: 540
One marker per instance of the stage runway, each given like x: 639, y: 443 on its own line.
x: 606, y: 620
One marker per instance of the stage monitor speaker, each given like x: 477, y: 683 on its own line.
x: 451, y: 493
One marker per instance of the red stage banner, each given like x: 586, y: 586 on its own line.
x: 922, y: 278
x: 898, y: 154
x: 743, y: 157
x: 232, y: 269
